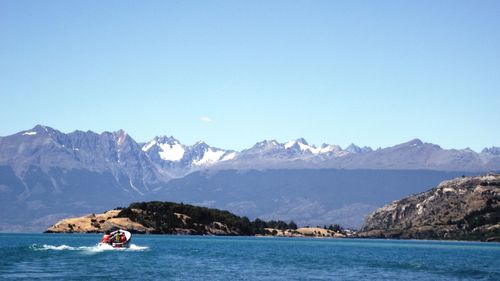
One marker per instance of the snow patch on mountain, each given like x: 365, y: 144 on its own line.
x: 290, y: 144
x: 171, y: 152
x: 29, y: 133
x: 148, y: 145
x: 327, y: 148
x: 209, y: 157
x: 229, y: 156
x: 121, y: 137
x: 302, y: 144
x: 306, y: 147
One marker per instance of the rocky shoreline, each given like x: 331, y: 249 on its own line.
x: 466, y: 208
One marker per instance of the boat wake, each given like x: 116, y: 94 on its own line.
x: 96, y: 248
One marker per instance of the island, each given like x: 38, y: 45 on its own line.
x: 177, y: 218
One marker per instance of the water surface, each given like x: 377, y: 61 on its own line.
x: 156, y: 257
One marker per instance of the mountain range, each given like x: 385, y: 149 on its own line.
x: 46, y: 174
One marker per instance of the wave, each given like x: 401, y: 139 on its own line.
x: 96, y: 248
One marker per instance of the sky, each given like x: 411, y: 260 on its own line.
x: 233, y: 73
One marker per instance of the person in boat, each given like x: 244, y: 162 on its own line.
x: 118, y: 237
x: 123, y: 239
x: 105, y: 237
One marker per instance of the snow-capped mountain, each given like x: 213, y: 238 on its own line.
x: 202, y: 155
x: 291, y: 150
x: 165, y: 148
x: 180, y: 159
x: 170, y: 150
x: 301, y: 146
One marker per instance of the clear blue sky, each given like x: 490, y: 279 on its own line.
x: 370, y: 72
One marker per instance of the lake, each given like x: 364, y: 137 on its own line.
x: 166, y: 257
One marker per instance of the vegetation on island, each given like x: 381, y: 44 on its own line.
x: 168, y: 217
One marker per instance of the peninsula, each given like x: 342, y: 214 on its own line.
x: 465, y: 208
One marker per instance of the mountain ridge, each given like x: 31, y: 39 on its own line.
x: 166, y: 157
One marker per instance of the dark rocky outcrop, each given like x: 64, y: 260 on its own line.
x: 466, y: 208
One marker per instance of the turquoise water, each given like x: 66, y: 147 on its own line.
x: 163, y: 257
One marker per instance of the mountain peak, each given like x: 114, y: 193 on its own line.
x: 494, y: 150
x: 39, y: 127
x: 166, y: 139
x: 414, y: 142
x: 122, y: 137
x: 302, y: 141
x: 200, y: 143
x: 43, y: 129
x: 120, y: 132
x: 37, y: 130
x: 352, y: 148
x: 161, y: 142
x: 266, y: 143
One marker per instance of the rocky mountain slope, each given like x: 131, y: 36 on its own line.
x: 466, y: 208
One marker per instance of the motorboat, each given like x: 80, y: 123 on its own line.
x: 117, y: 239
